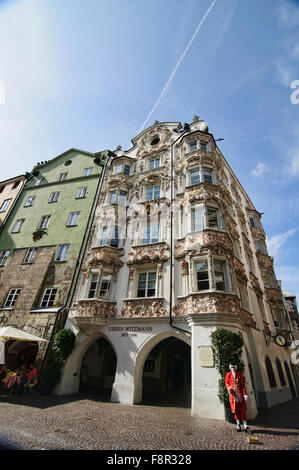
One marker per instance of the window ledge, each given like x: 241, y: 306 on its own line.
x: 45, y: 310
x: 222, y: 292
x: 132, y: 299
x: 6, y: 308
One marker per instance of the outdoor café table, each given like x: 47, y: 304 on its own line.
x: 11, y: 380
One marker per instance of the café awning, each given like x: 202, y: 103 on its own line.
x: 8, y: 332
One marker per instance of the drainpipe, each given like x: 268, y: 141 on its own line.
x: 65, y: 308
x: 186, y: 129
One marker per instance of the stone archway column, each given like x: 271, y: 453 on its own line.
x: 204, y: 376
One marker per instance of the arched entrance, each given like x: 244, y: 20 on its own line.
x: 98, y: 369
x: 166, y: 378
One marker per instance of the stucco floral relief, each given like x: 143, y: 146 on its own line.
x: 197, y: 242
x: 144, y: 308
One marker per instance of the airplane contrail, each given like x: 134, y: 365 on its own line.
x: 177, y: 66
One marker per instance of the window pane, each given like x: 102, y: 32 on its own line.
x: 62, y: 252
x: 127, y: 169
x: 195, y: 177
x: 212, y: 218
x: 156, y: 192
x: 104, y: 236
x: 207, y: 175
x: 151, y: 287
x: 105, y: 285
x: 113, y: 197
x: 5, y: 205
x: 219, y: 275
x: 149, y: 193
x: 193, y: 146
x: 203, y: 145
x: 3, y: 257
x: 93, y: 286
x: 202, y: 276
x: 115, y: 240
x: 146, y: 234
x: 18, y: 225
x: 141, y: 285
x: 198, y: 219
x: 81, y: 192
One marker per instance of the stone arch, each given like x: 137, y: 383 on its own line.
x: 143, y: 354
x: 70, y: 380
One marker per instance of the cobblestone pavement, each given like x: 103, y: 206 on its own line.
x: 81, y: 422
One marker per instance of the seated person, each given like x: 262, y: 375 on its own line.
x: 32, y: 375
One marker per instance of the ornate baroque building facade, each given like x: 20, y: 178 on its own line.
x: 176, y: 250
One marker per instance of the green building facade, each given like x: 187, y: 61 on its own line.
x: 42, y: 240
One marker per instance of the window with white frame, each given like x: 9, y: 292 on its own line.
x: 146, y: 284
x: 81, y: 193
x: 243, y: 295
x: 54, y: 197
x: 11, y: 298
x: 236, y: 248
x: 30, y: 256
x: 29, y: 201
x: 48, y: 298
x: 44, y: 222
x: 118, y: 196
x: 260, y: 247
x: 153, y: 192
x: 269, y: 279
x: 62, y: 177
x: 211, y: 274
x: 253, y: 222
x: 110, y: 236
x: 4, y: 254
x: 18, y: 225
x: 62, y: 252
x: 73, y: 219
x: 151, y: 230
x: 261, y: 307
x: 154, y: 163
x: 39, y: 181
x: 100, y: 286
x: 5, y: 205
x: 278, y: 318
x: 199, y: 144
x: 201, y: 174
x: 203, y: 216
x: 87, y: 171
x: 121, y: 167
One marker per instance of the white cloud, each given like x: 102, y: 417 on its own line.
x: 288, y: 275
x: 286, y: 73
x: 287, y: 14
x: 275, y: 243
x: 259, y: 170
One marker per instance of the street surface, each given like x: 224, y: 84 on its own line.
x: 81, y: 422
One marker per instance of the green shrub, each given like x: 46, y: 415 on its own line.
x: 227, y: 348
x: 63, y: 345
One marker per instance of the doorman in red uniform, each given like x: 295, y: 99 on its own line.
x: 235, y: 385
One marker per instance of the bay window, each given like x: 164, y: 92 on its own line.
x: 211, y: 274
x: 100, y: 285
x: 201, y: 174
x: 206, y: 217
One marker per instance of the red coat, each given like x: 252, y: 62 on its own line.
x: 235, y: 384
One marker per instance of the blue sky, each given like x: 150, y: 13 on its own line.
x: 86, y: 74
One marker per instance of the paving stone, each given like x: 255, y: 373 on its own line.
x: 82, y: 422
